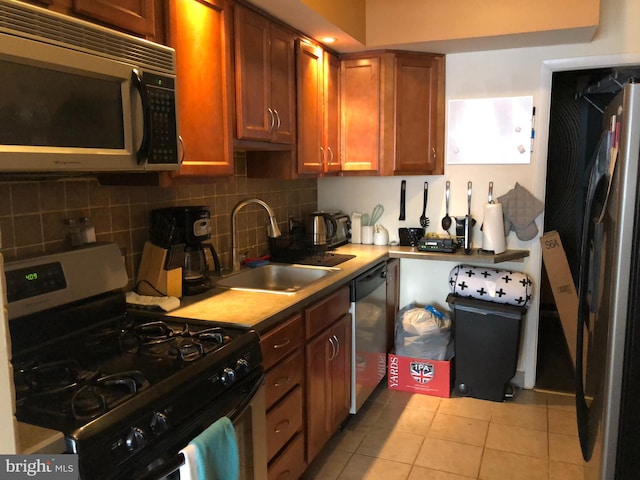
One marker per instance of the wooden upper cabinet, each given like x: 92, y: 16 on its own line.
x: 143, y: 18
x: 311, y: 153
x: 419, y: 115
x: 135, y: 16
x: 265, y: 79
x: 331, y: 134
x: 318, y: 77
x: 199, y: 35
x: 361, y: 115
x: 393, y: 113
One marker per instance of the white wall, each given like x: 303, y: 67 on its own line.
x: 7, y: 419
x: 490, y: 74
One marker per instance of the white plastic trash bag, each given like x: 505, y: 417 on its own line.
x: 423, y: 333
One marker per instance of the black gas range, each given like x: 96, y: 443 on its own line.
x: 127, y: 389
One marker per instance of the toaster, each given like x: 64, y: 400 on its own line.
x: 343, y: 233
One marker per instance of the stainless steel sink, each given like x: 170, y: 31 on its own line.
x: 276, y: 278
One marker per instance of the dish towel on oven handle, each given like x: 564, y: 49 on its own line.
x: 214, y: 455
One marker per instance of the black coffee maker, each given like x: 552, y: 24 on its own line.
x: 183, y: 232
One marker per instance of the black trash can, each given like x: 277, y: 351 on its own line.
x: 487, y: 339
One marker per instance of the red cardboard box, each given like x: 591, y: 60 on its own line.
x: 417, y: 375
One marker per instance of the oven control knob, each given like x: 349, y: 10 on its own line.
x: 135, y: 439
x: 159, y: 423
x: 242, y: 366
x: 228, y: 376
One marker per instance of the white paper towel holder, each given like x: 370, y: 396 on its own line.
x: 493, y: 238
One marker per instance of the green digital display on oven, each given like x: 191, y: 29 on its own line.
x: 35, y: 280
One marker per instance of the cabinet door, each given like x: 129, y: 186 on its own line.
x: 318, y: 382
x: 393, y: 300
x: 341, y: 372
x: 418, y: 105
x: 331, y: 132
x: 135, y: 16
x: 202, y: 59
x: 310, y: 112
x: 253, y: 76
x: 283, y: 85
x: 360, y: 105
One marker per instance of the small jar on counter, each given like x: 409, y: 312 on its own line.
x: 87, y: 230
x: 72, y: 234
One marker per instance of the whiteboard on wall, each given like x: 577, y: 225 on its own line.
x: 490, y: 131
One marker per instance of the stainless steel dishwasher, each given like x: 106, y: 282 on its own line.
x: 369, y: 344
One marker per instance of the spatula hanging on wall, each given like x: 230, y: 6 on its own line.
x: 403, y: 195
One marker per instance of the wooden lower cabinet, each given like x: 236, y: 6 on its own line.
x: 283, y: 359
x: 284, y: 420
x: 328, y: 373
x: 290, y: 464
x: 307, y: 361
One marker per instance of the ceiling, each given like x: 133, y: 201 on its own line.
x: 310, y: 22
x: 371, y: 24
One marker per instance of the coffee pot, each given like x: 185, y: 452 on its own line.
x: 183, y: 232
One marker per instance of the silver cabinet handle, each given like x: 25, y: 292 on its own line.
x: 184, y: 149
x: 286, y: 474
x: 330, y: 156
x: 337, y: 346
x: 322, y: 156
x: 279, y: 427
x: 282, y: 345
x: 434, y: 152
x: 282, y: 381
x: 333, y: 349
x: 273, y: 119
x: 275, y: 112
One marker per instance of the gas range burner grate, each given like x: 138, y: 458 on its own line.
x: 158, y: 338
x: 82, y: 397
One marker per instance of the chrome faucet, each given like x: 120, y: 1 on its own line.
x: 273, y: 230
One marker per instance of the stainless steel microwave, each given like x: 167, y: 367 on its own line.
x: 77, y: 97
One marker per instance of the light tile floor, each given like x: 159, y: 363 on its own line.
x: 403, y: 436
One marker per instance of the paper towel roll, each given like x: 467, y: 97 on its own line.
x: 493, y: 238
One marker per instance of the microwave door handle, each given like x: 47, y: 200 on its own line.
x: 145, y: 145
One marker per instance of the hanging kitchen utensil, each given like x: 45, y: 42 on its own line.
x: 446, y: 220
x: 468, y: 222
x: 403, y: 194
x: 377, y: 212
x: 424, y: 220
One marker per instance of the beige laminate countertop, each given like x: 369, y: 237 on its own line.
x: 262, y: 311
x: 32, y: 439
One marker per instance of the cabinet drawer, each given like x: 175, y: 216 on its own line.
x: 283, y: 377
x: 282, y: 340
x: 290, y: 464
x: 284, y: 421
x: 327, y: 311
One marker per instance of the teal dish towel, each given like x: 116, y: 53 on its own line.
x: 217, y: 452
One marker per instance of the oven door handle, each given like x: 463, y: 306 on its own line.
x: 165, y: 469
x: 176, y: 462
